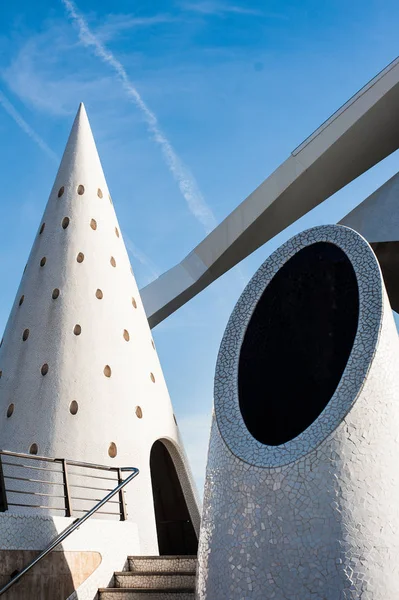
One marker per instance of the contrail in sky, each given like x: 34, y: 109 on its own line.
x: 143, y: 259
x: 14, y: 114
x: 186, y: 182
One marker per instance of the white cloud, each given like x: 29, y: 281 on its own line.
x: 143, y: 259
x: 116, y: 24
x: 14, y: 114
x: 43, y: 73
x: 219, y: 8
x: 185, y: 180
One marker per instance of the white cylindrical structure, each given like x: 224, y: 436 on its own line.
x: 80, y: 375
x: 302, y: 486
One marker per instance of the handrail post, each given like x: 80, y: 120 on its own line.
x: 3, y: 492
x: 71, y: 528
x: 67, y: 495
x: 122, y: 503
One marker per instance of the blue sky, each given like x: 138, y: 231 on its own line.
x: 234, y: 86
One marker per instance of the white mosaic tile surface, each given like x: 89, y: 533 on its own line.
x: 318, y: 519
x: 134, y: 595
x: 166, y: 564
x: 230, y: 421
x: 155, y: 580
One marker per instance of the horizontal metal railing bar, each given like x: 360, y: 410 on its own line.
x: 32, y: 480
x: 94, y: 500
x: 74, y: 463
x: 30, y: 467
x: 32, y: 493
x: 75, y: 525
x: 72, y: 473
x: 36, y: 506
x: 30, y: 456
x: 89, y: 487
x: 99, y: 512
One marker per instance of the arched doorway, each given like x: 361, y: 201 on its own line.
x: 176, y: 534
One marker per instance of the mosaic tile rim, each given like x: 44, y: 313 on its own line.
x: 228, y: 415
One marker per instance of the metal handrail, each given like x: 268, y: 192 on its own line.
x: 77, y: 523
x: 72, y: 474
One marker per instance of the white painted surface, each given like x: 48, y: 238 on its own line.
x: 76, y: 362
x: 377, y: 217
x: 366, y: 128
x: 324, y: 521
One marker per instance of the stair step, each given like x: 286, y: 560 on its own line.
x: 155, y: 580
x: 135, y: 594
x: 164, y: 564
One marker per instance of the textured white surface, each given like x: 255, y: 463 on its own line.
x: 228, y: 414
x: 324, y: 525
x: 166, y: 564
x: 106, y: 405
x: 144, y: 595
x: 160, y: 581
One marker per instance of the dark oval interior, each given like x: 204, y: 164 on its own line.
x: 297, y: 343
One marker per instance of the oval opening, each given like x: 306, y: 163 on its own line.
x: 33, y: 449
x: 112, y: 450
x: 73, y: 407
x: 297, y: 343
x: 44, y: 369
x: 10, y: 410
x: 80, y: 257
x: 55, y: 294
x: 65, y: 222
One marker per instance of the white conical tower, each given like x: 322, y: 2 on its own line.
x: 80, y: 376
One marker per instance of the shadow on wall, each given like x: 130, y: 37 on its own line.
x: 175, y: 529
x: 54, y: 578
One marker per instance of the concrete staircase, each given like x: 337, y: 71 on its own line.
x: 154, y: 578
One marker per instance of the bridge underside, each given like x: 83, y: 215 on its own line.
x: 359, y: 135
